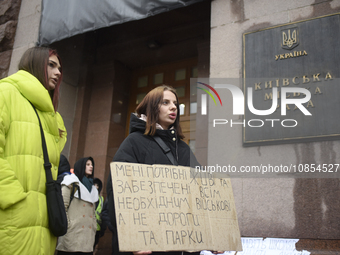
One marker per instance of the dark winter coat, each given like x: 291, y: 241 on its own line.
x: 63, y: 169
x: 140, y: 148
x: 64, y: 165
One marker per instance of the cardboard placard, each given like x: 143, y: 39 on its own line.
x: 173, y: 208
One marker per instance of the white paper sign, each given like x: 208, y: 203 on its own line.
x: 268, y: 246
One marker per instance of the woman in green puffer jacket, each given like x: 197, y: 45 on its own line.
x: 23, y: 212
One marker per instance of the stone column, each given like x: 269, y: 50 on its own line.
x: 9, y: 12
x: 27, y: 31
x: 100, y: 119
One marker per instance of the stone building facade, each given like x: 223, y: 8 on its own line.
x: 97, y: 89
x: 9, y: 13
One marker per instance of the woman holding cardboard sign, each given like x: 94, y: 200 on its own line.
x: 154, y: 129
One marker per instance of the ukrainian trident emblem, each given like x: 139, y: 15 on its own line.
x: 290, y: 38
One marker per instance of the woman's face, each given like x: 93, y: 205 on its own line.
x: 53, y: 72
x: 168, y: 110
x: 88, y: 168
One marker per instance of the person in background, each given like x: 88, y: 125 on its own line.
x: 99, y: 207
x: 64, y: 168
x: 24, y: 227
x: 156, y: 116
x: 80, y: 209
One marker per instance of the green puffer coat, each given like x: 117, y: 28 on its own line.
x: 23, y: 211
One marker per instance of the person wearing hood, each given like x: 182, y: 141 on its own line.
x: 64, y: 168
x: 156, y: 115
x: 80, y: 209
x: 24, y: 225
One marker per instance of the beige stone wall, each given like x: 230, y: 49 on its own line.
x: 68, y: 99
x: 9, y: 12
x: 27, y: 31
x: 295, y: 208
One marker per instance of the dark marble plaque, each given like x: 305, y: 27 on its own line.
x: 303, y: 54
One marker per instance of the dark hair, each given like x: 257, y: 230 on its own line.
x: 150, y: 106
x: 99, y: 183
x: 64, y: 165
x: 35, y: 61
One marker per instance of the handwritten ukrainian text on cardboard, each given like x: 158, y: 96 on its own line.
x: 173, y: 208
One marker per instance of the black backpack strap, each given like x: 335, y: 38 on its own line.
x: 72, y: 194
x: 166, y: 150
x: 74, y: 186
x: 47, y: 164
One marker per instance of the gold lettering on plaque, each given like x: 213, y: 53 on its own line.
x: 316, y: 77
x: 293, y: 54
x: 285, y: 82
x: 268, y: 96
x: 294, y: 80
x: 268, y: 84
x: 305, y: 79
x: 277, y: 83
x: 310, y: 103
x: 295, y: 94
x: 328, y: 76
x: 257, y: 86
x: 317, y: 91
